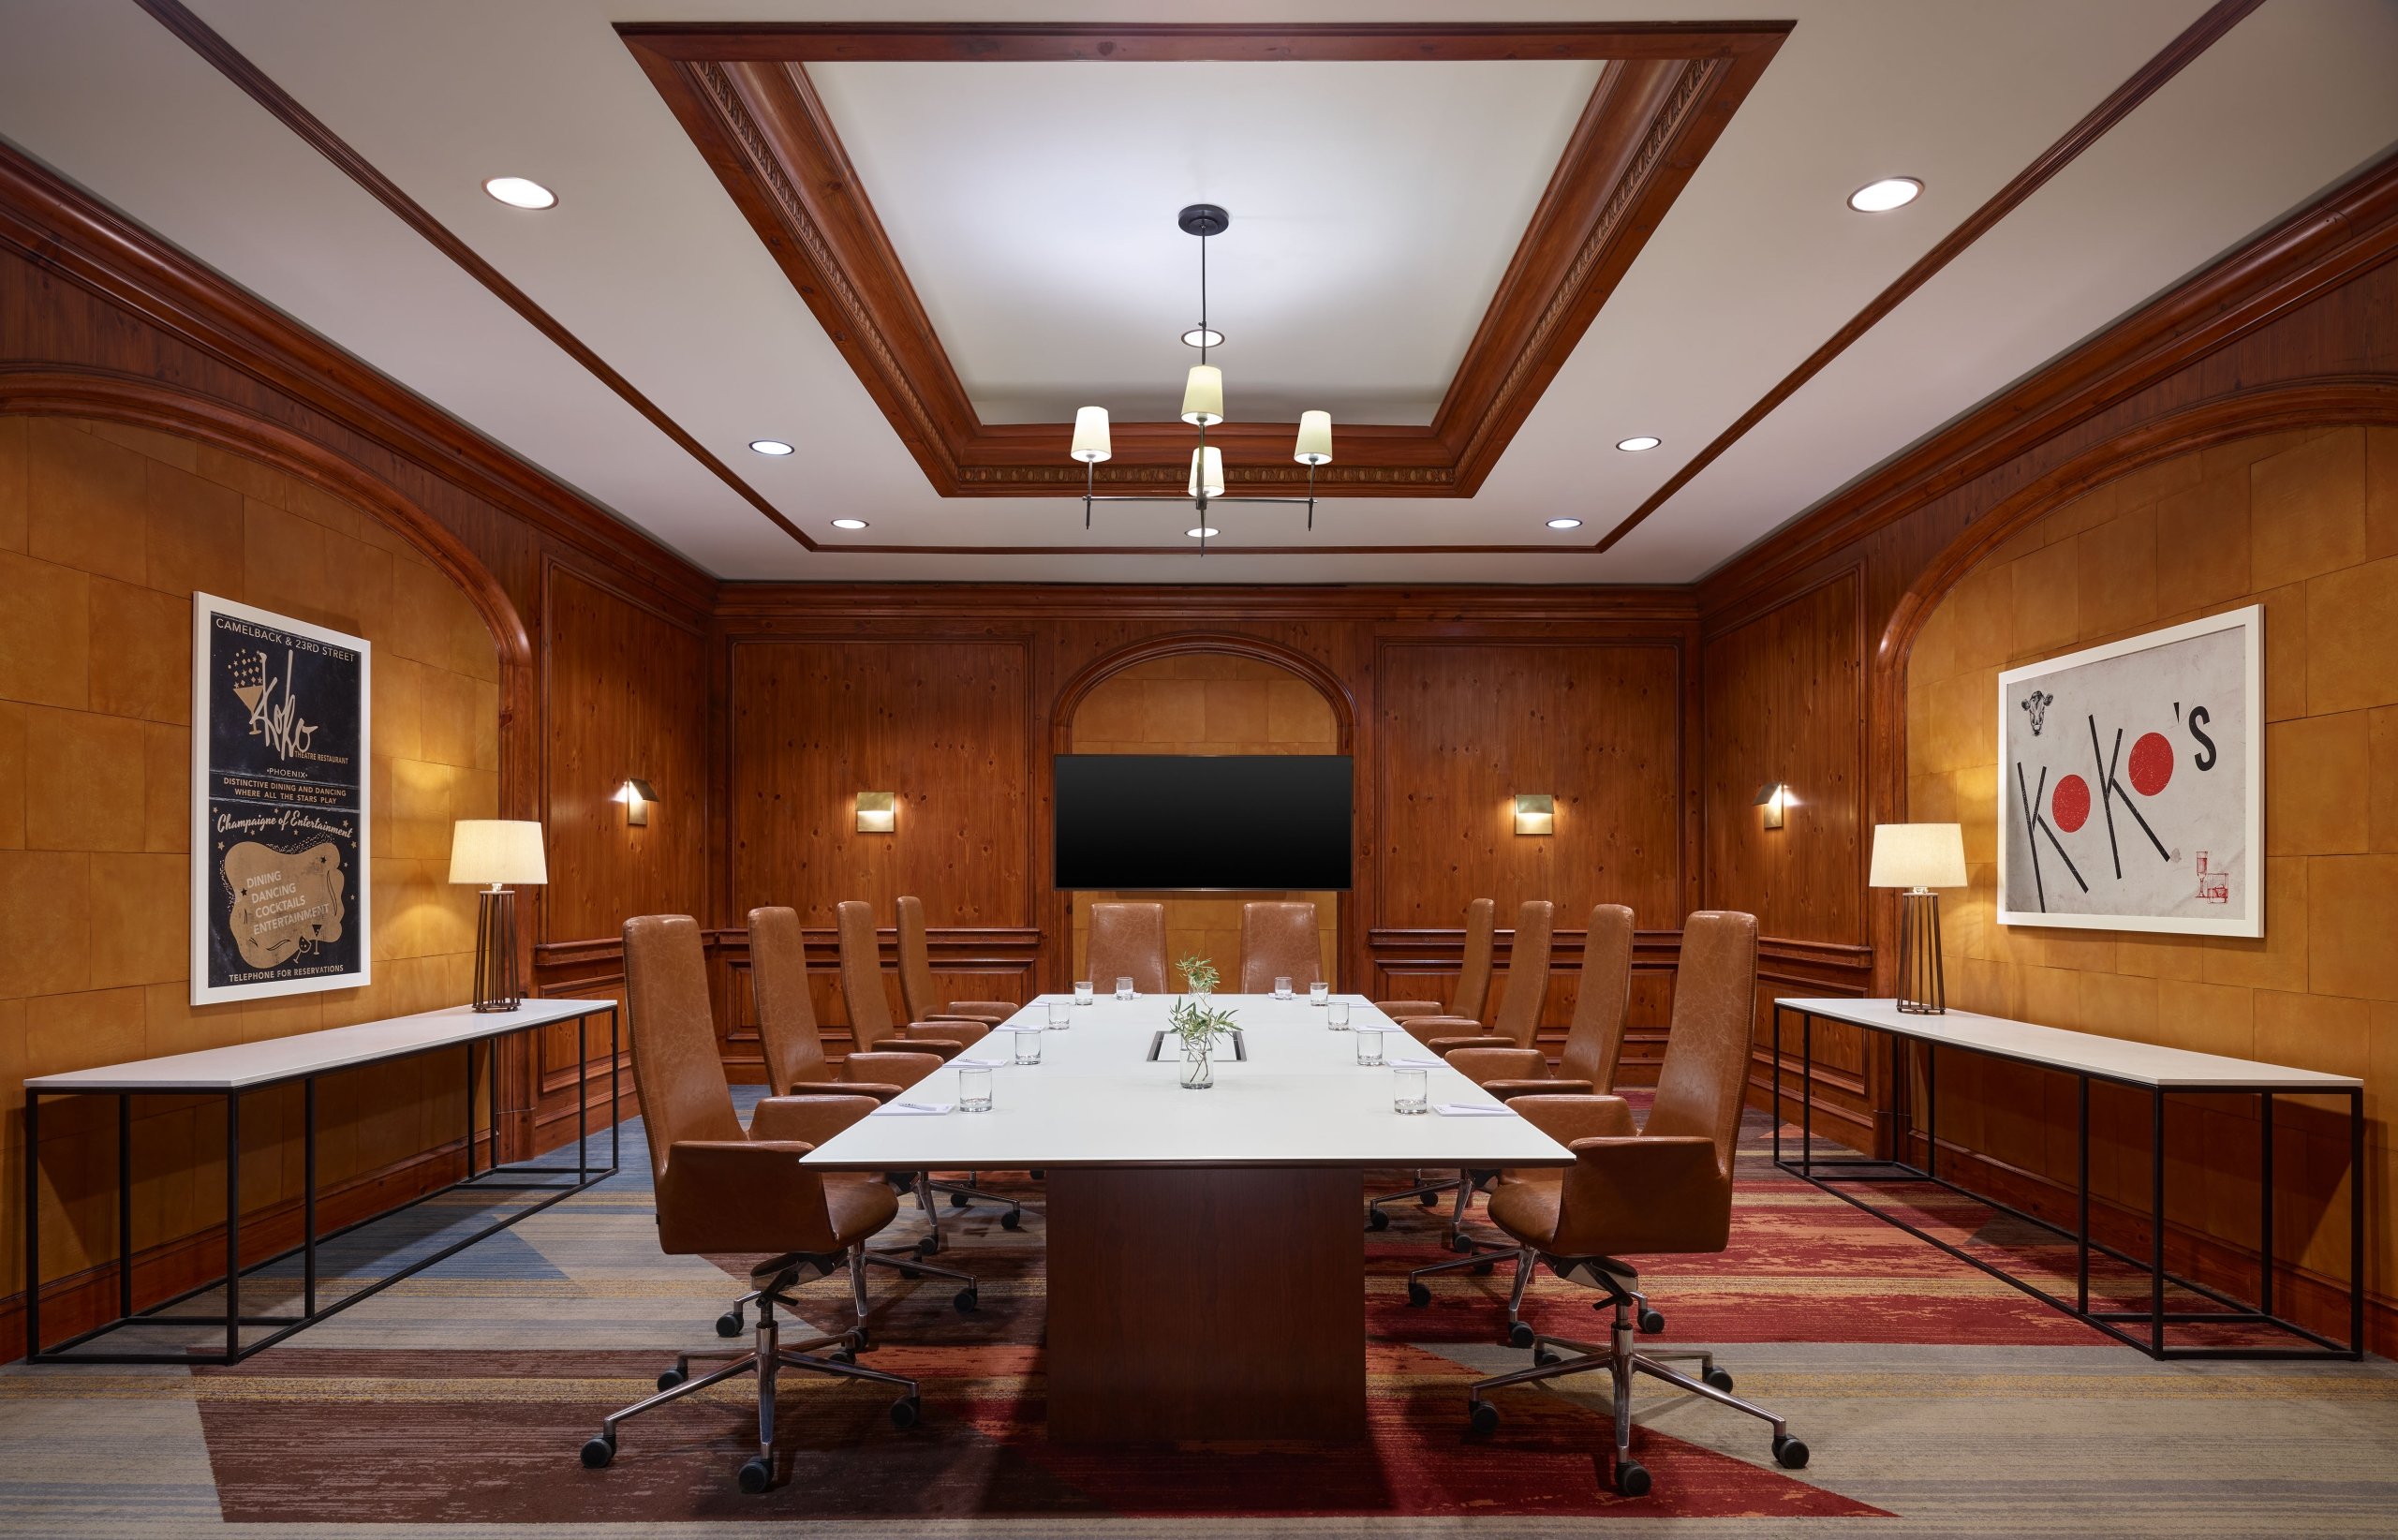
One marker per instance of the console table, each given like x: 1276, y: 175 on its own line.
x: 2142, y: 1066
x: 238, y: 1068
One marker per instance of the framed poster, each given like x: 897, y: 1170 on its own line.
x: 279, y: 786
x: 2131, y: 783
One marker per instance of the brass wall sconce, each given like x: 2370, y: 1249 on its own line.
x: 1775, y: 799
x: 636, y: 796
x: 1535, y: 813
x: 878, y: 812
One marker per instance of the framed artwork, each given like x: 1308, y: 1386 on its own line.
x: 2131, y: 783
x: 279, y: 787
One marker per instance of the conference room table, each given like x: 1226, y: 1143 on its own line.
x: 1205, y: 1248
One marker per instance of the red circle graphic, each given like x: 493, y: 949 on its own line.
x: 2070, y: 803
x: 2152, y: 764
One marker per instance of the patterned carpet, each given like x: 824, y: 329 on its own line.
x: 1937, y: 1402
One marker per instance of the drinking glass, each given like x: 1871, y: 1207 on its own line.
x: 1062, y: 1015
x: 1369, y: 1048
x: 1281, y: 988
x: 1319, y: 993
x: 1415, y: 1088
x: 1082, y: 991
x: 1335, y: 1015
x: 1027, y: 1047
x: 1123, y: 988
x: 974, y: 1088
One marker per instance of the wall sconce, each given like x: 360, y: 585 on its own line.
x: 878, y: 812
x: 636, y: 796
x: 1775, y: 799
x: 1535, y: 813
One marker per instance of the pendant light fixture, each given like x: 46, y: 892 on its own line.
x: 1203, y: 407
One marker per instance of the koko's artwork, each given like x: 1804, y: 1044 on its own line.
x: 2131, y: 784
x: 278, y: 805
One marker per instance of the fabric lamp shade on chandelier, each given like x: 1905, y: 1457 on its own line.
x: 1203, y: 407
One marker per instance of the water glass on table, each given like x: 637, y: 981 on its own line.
x: 1027, y: 1047
x: 1123, y: 988
x: 1319, y: 993
x: 1370, y: 1049
x: 1082, y: 991
x: 1335, y: 1015
x: 1062, y: 1015
x: 974, y: 1089
x: 1281, y: 988
x: 1415, y: 1088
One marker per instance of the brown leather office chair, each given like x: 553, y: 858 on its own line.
x: 916, y: 978
x: 1519, y: 1018
x: 870, y: 1023
x: 1665, y: 1188
x: 1472, y: 993
x: 1127, y: 942
x: 723, y: 1188
x: 1277, y: 940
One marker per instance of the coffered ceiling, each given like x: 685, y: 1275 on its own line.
x: 634, y: 339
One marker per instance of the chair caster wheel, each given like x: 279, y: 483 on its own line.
x: 1481, y: 1269
x: 843, y: 1356
x: 1377, y: 1220
x: 1651, y: 1322
x: 1788, y: 1453
x: 1544, y: 1359
x: 599, y: 1453
x: 756, y: 1475
x: 959, y: 1200
x: 1483, y: 1418
x: 907, y: 1412
x: 672, y: 1378
x: 1012, y: 1220
x: 969, y: 1300
x: 1718, y: 1378
x: 1418, y: 1294
x: 1632, y: 1478
x: 729, y: 1324
x: 928, y: 1245
x: 1427, y: 1200
x: 1460, y: 1244
x: 1521, y: 1335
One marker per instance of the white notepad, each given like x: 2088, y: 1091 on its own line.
x: 913, y: 1109
x: 1473, y: 1109
x: 980, y: 1063
x: 1414, y: 1063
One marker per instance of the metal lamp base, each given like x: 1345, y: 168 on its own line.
x: 1922, y: 989
x: 496, y: 984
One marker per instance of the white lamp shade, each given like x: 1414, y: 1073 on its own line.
x: 1917, y: 855
x: 496, y: 850
x: 1203, y: 397
x: 1315, y: 440
x: 1210, y: 472
x: 1090, y: 435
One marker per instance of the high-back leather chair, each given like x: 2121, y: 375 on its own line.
x: 1663, y: 1189
x: 869, y: 1008
x: 916, y: 978
x: 1519, y: 1018
x: 1277, y: 940
x: 792, y: 1047
x: 722, y: 1188
x: 1127, y: 942
x: 1472, y: 993
x: 1594, y: 1042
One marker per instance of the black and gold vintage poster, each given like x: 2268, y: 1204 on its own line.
x: 279, y: 804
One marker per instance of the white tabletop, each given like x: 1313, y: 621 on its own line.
x: 1301, y: 1099
x: 2084, y: 1053
x: 239, y: 1066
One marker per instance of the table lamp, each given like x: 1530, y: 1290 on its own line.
x: 497, y: 850
x: 1919, y: 858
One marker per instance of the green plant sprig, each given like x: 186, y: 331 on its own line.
x: 1198, y: 975
x: 1198, y: 1025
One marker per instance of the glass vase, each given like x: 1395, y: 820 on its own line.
x: 1198, y: 1067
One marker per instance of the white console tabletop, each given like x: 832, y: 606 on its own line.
x: 2080, y: 1053
x: 240, y: 1066
x: 1300, y: 1099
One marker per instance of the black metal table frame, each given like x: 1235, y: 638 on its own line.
x: 1829, y: 1174
x: 232, y: 1320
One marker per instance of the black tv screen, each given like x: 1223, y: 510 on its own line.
x: 1151, y: 821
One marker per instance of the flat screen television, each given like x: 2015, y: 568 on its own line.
x: 1242, y: 821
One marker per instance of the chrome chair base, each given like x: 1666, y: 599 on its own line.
x: 1622, y: 1359
x: 767, y: 1358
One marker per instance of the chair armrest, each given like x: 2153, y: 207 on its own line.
x: 874, y: 1089
x: 963, y: 1033
x: 1425, y: 1029
x: 809, y: 1121
x: 744, y: 1195
x: 1509, y: 1065
x: 1566, y: 1118
x: 1447, y: 1046
x: 994, y: 1010
x: 941, y: 1047
x: 1400, y: 1010
x: 1634, y: 1195
x: 1507, y: 1089
x: 889, y: 1067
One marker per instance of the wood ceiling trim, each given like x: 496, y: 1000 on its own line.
x: 742, y: 94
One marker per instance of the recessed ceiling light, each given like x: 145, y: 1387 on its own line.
x: 520, y: 193
x: 1205, y: 532
x: 1565, y: 523
x: 1891, y: 192
x: 1639, y: 442
x: 848, y: 524
x: 770, y: 446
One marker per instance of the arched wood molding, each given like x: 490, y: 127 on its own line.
x: 2323, y: 402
